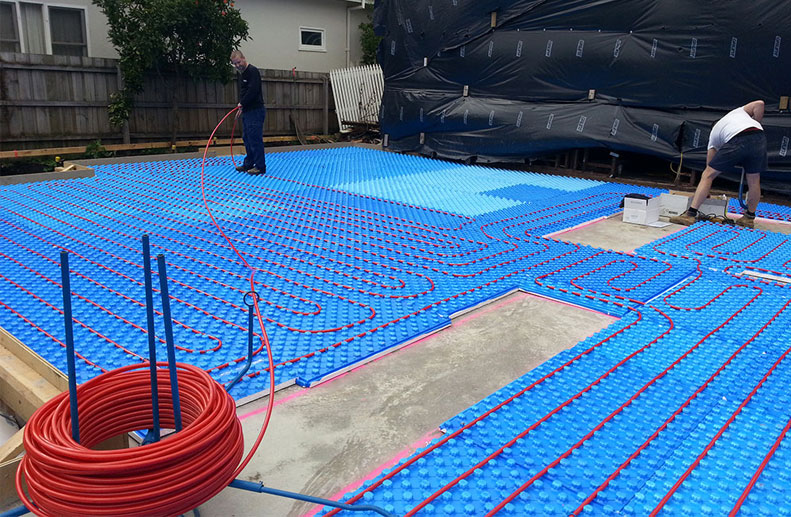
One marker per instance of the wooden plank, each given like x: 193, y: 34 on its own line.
x: 56, y: 151
x: 23, y: 389
x: 43, y: 120
x: 56, y: 68
x: 30, y: 358
x: 289, y: 80
x: 12, y: 448
x: 8, y: 496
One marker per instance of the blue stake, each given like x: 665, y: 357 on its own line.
x: 174, y: 383
x: 250, y: 309
x: 153, y: 435
x: 67, y: 320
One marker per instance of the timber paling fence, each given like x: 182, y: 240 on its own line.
x: 61, y: 101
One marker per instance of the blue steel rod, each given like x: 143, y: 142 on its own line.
x: 67, y: 321
x: 259, y: 487
x: 152, y: 347
x: 174, y: 383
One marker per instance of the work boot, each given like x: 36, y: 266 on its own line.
x: 745, y: 221
x: 685, y: 219
x: 256, y: 171
x: 242, y: 168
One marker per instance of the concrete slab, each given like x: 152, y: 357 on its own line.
x: 614, y: 234
x: 325, y: 440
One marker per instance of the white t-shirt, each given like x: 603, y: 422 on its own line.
x: 729, y: 126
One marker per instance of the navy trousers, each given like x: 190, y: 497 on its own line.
x: 253, y: 136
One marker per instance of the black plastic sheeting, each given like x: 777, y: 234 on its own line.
x: 647, y: 76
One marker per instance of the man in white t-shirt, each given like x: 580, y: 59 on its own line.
x: 737, y: 140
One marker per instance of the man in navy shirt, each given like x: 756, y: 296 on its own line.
x: 253, y: 113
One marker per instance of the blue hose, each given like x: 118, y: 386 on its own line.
x: 259, y: 487
x: 22, y: 510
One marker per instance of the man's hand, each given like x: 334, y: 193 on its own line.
x: 238, y: 110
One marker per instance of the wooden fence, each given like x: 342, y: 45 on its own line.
x: 57, y: 101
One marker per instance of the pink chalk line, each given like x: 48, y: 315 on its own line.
x: 410, y: 450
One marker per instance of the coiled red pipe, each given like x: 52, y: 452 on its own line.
x: 168, y: 477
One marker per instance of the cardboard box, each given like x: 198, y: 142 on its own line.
x: 640, y: 204
x: 640, y: 211
x: 717, y: 206
x: 673, y: 204
x: 640, y: 215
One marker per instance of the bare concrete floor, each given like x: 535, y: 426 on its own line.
x: 324, y: 441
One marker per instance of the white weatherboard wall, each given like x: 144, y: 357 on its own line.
x: 274, y: 32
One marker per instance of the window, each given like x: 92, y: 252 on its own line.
x: 40, y: 29
x: 311, y: 39
x: 31, y: 19
x: 67, y: 30
x: 9, y: 35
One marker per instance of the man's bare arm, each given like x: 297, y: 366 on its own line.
x: 710, y: 155
x: 755, y: 109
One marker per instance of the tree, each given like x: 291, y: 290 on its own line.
x: 177, y: 38
x: 369, y: 43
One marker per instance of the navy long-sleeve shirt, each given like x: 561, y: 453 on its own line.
x: 250, y: 95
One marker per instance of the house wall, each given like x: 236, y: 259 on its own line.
x: 274, y: 32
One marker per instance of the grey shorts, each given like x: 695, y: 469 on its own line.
x: 747, y: 149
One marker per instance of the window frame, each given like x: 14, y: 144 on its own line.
x: 312, y: 48
x: 20, y: 39
x: 48, y: 28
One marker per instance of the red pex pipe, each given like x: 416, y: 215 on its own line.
x: 719, y: 434
x: 169, y: 477
x: 672, y: 417
x: 263, y: 336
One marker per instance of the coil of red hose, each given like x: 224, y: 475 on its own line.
x: 168, y: 477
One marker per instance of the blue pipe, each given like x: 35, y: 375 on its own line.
x: 250, y: 307
x: 153, y: 435
x: 259, y: 487
x: 741, y: 192
x: 67, y: 320
x: 15, y: 512
x: 174, y: 383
